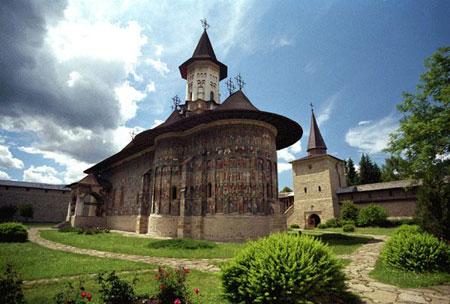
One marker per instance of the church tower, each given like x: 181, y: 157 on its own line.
x: 316, y: 178
x: 202, y: 72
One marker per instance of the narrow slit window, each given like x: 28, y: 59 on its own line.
x: 174, y: 192
x: 306, y: 190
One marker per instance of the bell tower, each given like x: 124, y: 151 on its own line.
x: 203, y: 72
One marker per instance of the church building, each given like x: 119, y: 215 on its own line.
x: 208, y: 172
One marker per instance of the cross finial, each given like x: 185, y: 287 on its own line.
x: 230, y: 86
x: 311, y: 105
x: 176, y: 103
x: 205, y: 24
x: 240, y: 82
x: 133, y: 133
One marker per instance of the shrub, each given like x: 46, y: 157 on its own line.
x: 399, y: 222
x: 284, y: 268
x: 349, y: 211
x: 69, y: 229
x: 11, y: 287
x: 13, y: 232
x: 342, y: 223
x: 114, y: 290
x: 73, y: 294
x: 418, y: 252
x: 348, y: 228
x: 322, y: 226
x: 26, y: 211
x: 408, y: 229
x: 295, y: 226
x: 332, y: 223
x: 172, y: 286
x: 372, y: 215
x: 7, y: 212
x: 182, y: 244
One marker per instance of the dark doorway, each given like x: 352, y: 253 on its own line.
x: 313, y: 220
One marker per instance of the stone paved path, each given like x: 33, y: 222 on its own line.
x: 363, y: 262
x: 199, y: 264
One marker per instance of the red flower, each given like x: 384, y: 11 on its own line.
x: 197, y: 290
x: 160, y: 269
x: 167, y: 274
x: 83, y: 294
x: 89, y: 297
x: 163, y: 287
x: 177, y: 301
x: 186, y: 271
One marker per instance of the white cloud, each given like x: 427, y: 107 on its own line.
x: 4, y: 175
x: 325, y: 112
x: 150, y: 86
x: 156, y: 123
x: 364, y: 122
x: 281, y: 42
x: 284, y: 167
x: 128, y: 98
x: 73, y: 78
x: 41, y: 174
x: 373, y: 137
x: 159, y: 50
x: 290, y: 152
x: 158, y: 65
x: 7, y: 160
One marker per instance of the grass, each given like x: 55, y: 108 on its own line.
x: 362, y: 230
x: 208, y: 283
x: 407, y: 279
x: 338, y: 242
x: 114, y: 242
x: 37, y: 262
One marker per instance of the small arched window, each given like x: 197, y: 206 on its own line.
x: 320, y: 189
x: 209, y: 190
x: 306, y: 190
x: 174, y: 192
x: 211, y: 95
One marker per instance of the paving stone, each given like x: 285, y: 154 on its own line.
x: 411, y: 298
x: 436, y: 300
x: 382, y: 296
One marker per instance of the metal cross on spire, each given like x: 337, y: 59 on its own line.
x: 311, y: 105
x: 205, y: 24
x: 176, y: 103
x: 230, y: 86
x: 240, y: 82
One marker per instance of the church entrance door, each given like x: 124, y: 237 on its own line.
x: 313, y: 220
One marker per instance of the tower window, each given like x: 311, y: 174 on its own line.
x: 211, y: 95
x: 320, y: 189
x: 208, y: 190
x: 190, y: 95
x: 174, y: 192
x: 306, y: 190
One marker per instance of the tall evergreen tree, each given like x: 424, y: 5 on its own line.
x: 368, y: 171
x: 352, y: 175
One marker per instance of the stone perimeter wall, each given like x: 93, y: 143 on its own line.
x: 49, y: 205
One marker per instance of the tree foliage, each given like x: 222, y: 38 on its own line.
x: 286, y: 189
x: 352, y: 175
x: 394, y: 169
x: 423, y: 140
x: 369, y: 172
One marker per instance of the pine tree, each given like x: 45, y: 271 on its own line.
x: 352, y: 175
x: 368, y: 172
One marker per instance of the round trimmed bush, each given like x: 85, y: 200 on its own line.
x: 332, y: 223
x: 322, y: 226
x: 295, y: 226
x: 284, y: 269
x: 348, y: 228
x: 418, y: 252
x: 342, y: 223
x: 349, y: 211
x: 13, y: 232
x: 408, y: 229
x: 372, y: 215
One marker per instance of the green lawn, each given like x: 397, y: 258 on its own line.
x: 114, y: 242
x: 407, y: 279
x: 338, y: 242
x: 36, y: 262
x: 208, y: 283
x: 361, y: 230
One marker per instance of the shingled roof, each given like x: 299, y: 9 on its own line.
x: 237, y: 101
x: 316, y: 144
x: 204, y: 51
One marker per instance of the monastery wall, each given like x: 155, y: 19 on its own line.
x: 49, y: 205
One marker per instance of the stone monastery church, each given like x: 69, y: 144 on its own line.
x: 210, y: 171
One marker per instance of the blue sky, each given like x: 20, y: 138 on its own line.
x: 78, y: 77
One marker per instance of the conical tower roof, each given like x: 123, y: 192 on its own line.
x: 204, y: 51
x: 316, y: 144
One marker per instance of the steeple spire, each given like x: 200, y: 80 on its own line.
x: 316, y: 144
